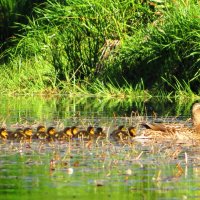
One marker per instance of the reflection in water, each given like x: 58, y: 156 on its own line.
x: 101, y: 170
x: 34, y: 108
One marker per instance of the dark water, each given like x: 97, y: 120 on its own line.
x: 102, y: 170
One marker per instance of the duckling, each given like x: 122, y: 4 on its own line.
x: 3, y: 133
x: 51, y: 133
x: 99, y: 133
x: 132, y: 131
x: 120, y: 133
x: 176, y: 131
x: 74, y: 131
x: 40, y: 133
x: 16, y: 135
x: 66, y: 133
x: 89, y: 133
x: 27, y: 132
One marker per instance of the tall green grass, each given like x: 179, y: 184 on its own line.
x: 169, y: 47
x: 106, y: 48
x: 12, y: 12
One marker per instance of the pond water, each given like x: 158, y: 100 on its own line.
x: 98, y: 170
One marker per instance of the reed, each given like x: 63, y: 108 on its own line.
x: 88, y: 47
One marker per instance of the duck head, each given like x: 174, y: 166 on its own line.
x: 196, y: 116
x: 90, y: 130
x: 28, y: 132
x: 68, y: 131
x: 51, y: 131
x: 41, y: 129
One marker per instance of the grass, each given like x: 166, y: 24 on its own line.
x: 107, y: 49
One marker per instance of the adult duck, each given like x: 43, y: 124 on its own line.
x: 175, y: 130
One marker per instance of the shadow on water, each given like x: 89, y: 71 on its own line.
x: 103, y: 170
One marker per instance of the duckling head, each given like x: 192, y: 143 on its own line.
x: 90, y: 130
x: 132, y: 131
x: 3, y: 133
x: 122, y: 128
x: 68, y: 131
x: 99, y: 130
x: 51, y: 131
x: 74, y: 130
x: 28, y: 131
x: 41, y: 129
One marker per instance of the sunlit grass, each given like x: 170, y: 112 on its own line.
x: 69, y: 48
x: 182, y: 90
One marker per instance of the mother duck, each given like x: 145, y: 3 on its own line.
x: 175, y: 131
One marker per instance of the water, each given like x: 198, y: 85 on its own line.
x: 102, y: 170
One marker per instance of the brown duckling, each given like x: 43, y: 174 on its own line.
x: 89, y: 133
x: 66, y: 133
x: 120, y: 133
x: 40, y: 133
x: 16, y: 135
x: 132, y: 131
x: 74, y: 131
x: 99, y: 133
x: 51, y: 133
x: 3, y: 133
x: 27, y: 132
x: 21, y: 134
x: 123, y: 134
x: 176, y: 131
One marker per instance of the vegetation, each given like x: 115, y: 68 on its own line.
x: 107, y: 48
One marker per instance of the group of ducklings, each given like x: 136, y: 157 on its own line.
x: 121, y: 133
x: 51, y: 134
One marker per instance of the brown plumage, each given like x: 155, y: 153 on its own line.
x: 175, y: 131
x: 132, y: 131
x: 99, y: 133
x: 64, y: 134
x: 16, y: 135
x: 120, y: 133
x: 88, y: 134
x: 27, y: 132
x: 40, y: 133
x: 74, y: 131
x: 21, y: 134
x: 51, y: 133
